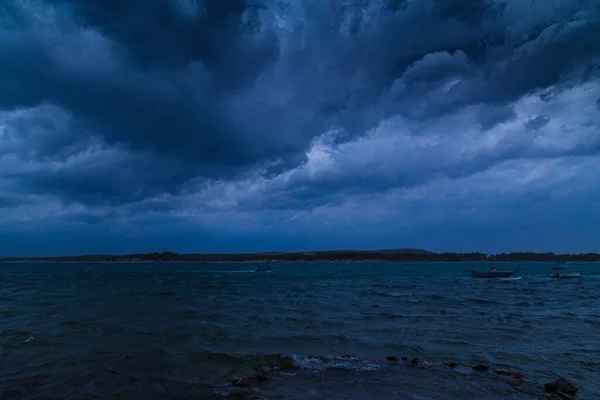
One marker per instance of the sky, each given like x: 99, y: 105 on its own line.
x: 283, y: 125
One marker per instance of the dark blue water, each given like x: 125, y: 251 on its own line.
x: 179, y: 331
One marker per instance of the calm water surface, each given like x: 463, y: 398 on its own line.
x: 179, y: 331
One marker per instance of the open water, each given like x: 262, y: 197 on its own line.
x: 316, y: 331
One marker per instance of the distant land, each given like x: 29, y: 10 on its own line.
x: 393, y: 255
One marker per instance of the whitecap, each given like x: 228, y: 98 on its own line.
x: 319, y: 364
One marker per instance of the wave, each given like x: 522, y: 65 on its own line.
x: 281, y: 362
x: 481, y: 301
x: 345, y: 362
x: 162, y: 294
x: 217, y: 271
x: 382, y: 294
x: 373, y: 315
x: 451, y: 342
x: 269, y: 361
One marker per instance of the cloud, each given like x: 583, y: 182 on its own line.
x: 197, y: 109
x: 454, y: 146
x: 537, y: 123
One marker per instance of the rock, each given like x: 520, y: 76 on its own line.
x: 247, y: 383
x: 561, y: 385
x: 287, y: 365
x: 480, y: 367
x: 242, y: 383
x: 561, y: 396
x: 244, y: 396
x: 550, y: 387
x: 503, y: 372
x: 414, y: 361
x: 451, y: 364
x: 392, y: 358
x: 516, y: 382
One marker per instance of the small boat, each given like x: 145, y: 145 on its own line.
x: 567, y: 276
x: 491, y: 274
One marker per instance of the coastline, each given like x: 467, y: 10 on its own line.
x: 288, y: 262
x: 327, y: 256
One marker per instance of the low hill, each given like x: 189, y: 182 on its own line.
x: 398, y: 255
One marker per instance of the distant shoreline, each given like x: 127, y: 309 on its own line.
x: 337, y: 256
x: 285, y: 262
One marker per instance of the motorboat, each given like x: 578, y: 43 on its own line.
x: 567, y: 276
x: 491, y: 273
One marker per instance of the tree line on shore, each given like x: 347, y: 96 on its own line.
x: 402, y: 255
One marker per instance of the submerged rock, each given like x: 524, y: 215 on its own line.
x: 516, y: 382
x: 32, y: 384
x: 561, y: 385
x: 242, y: 383
x: 392, y: 358
x: 480, y: 367
x: 249, y: 382
x: 287, y: 365
x: 516, y: 379
x: 244, y: 396
x: 451, y: 364
x: 561, y: 396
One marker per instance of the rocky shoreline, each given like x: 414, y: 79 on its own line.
x: 253, y: 386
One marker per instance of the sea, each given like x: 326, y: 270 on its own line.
x: 302, y: 331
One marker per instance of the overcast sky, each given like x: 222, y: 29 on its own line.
x: 231, y: 125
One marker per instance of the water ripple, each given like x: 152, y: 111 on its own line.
x: 107, y: 330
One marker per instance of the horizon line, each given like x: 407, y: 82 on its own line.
x: 407, y: 251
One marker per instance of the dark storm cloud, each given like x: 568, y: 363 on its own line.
x: 148, y: 77
x: 57, y: 156
x: 158, y: 94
